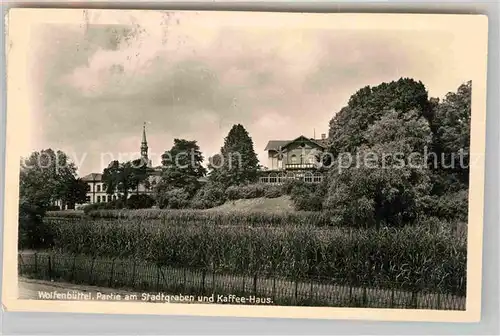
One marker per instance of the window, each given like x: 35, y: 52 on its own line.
x: 98, y: 199
x: 98, y: 188
x: 87, y: 199
x: 273, y: 178
x: 293, y: 158
x: 114, y: 197
x: 317, y: 178
x: 308, y: 178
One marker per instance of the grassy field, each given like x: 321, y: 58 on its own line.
x: 144, y: 276
x: 283, y: 203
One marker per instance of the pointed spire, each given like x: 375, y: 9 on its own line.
x: 144, y: 144
x: 144, y: 133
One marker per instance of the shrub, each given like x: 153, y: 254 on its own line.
x: 176, y: 198
x: 255, y: 190
x: 288, y: 186
x: 273, y: 191
x: 306, y: 196
x: 141, y: 201
x: 33, y: 231
x: 65, y: 214
x: 53, y: 208
x: 209, y: 196
x: 450, y: 206
x: 116, y: 204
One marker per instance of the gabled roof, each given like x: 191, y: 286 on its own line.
x: 306, y: 139
x: 92, y: 177
x: 276, y: 144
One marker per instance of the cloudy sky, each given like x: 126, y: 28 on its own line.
x: 193, y: 75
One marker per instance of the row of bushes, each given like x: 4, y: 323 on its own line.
x: 140, y: 201
x: 412, y: 257
x: 254, y: 191
x: 255, y: 218
x: 305, y: 197
x: 212, y: 195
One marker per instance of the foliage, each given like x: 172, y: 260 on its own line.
x: 412, y: 257
x: 46, y: 177
x: 452, y: 206
x: 273, y: 191
x: 115, y: 204
x: 368, y: 105
x: 33, y: 232
x: 237, y: 162
x: 307, y: 196
x: 254, y: 190
x: 75, y: 191
x: 182, y: 168
x: 141, y: 201
x: 245, y: 191
x: 451, y: 140
x: 209, y: 196
x: 176, y: 198
x: 124, y: 176
x: 383, y: 183
x: 65, y: 214
x: 254, y: 218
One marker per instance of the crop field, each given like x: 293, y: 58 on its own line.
x: 144, y: 276
x: 297, y: 258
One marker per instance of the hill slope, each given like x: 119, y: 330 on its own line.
x: 283, y: 203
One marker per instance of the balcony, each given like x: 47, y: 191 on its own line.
x: 296, y: 166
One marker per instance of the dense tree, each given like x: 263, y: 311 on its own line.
x: 124, y: 177
x: 451, y: 140
x: 75, y: 192
x: 387, y: 179
x: 46, y: 177
x: 182, y: 167
x: 368, y: 105
x: 237, y: 162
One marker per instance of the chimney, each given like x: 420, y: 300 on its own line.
x: 323, y: 136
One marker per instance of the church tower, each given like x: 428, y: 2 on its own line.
x: 144, y: 145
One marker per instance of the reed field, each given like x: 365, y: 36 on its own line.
x: 295, y: 246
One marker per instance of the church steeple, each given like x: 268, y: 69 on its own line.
x: 144, y: 144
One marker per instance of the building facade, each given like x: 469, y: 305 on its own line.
x: 96, y: 189
x: 294, y: 159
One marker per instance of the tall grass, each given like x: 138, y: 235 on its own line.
x: 414, y: 258
x: 255, y: 218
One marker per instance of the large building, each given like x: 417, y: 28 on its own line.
x: 294, y: 159
x: 97, y: 192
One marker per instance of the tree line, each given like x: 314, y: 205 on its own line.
x: 392, y: 118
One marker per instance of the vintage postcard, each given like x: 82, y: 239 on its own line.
x: 298, y: 165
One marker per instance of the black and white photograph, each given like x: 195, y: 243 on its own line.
x: 207, y: 160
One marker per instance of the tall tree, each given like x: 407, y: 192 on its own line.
x: 368, y: 105
x: 451, y: 139
x: 388, y: 179
x: 237, y: 162
x: 182, y: 167
x: 45, y: 177
x: 75, y: 192
x: 124, y: 176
